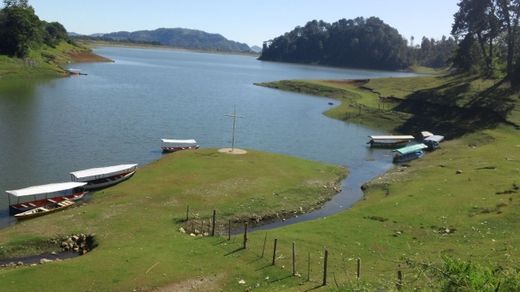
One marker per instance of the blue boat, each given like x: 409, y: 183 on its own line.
x: 409, y: 153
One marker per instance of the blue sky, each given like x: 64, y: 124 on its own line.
x: 249, y: 21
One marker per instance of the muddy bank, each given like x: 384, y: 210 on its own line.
x: 87, y: 57
x: 66, y: 247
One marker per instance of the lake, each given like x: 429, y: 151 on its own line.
x: 119, y: 112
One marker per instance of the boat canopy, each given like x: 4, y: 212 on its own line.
x: 100, y: 172
x: 410, y: 149
x: 402, y: 137
x: 435, y: 138
x: 45, y: 189
x: 174, y: 141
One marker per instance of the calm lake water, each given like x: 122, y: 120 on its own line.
x: 118, y: 113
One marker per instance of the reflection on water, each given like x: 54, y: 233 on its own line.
x: 119, y: 111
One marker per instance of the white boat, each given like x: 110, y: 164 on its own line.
x: 102, y: 177
x: 25, y: 199
x: 433, y: 141
x: 409, y: 153
x: 172, y: 145
x: 391, y: 141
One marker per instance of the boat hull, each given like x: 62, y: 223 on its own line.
x: 390, y: 145
x: 23, y: 207
x: 107, y: 182
x: 408, y: 157
x: 169, y: 149
x: 40, y: 211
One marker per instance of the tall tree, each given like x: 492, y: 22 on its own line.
x: 509, y: 13
x: 19, y: 29
x: 479, y: 18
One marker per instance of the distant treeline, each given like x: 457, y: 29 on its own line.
x: 106, y: 39
x: 21, y: 30
x: 361, y: 43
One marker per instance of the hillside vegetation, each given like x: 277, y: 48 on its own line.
x: 31, y: 48
x: 180, y: 38
x: 359, y: 43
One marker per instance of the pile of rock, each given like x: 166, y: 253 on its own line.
x: 79, y: 243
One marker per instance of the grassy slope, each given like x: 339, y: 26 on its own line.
x: 45, y: 62
x: 406, y: 212
x: 136, y: 222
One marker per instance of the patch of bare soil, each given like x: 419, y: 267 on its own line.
x: 195, y: 284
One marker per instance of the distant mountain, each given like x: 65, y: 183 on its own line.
x: 256, y: 49
x: 181, y: 38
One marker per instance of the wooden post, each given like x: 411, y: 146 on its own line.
x: 245, y: 236
x: 263, y: 248
x: 214, y: 222
x: 358, y: 269
x: 188, y: 213
x: 325, y: 260
x: 399, y: 280
x: 229, y: 230
x: 293, y: 260
x: 274, y: 251
x: 309, y: 266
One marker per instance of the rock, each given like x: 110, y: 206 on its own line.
x: 44, y: 261
x: 196, y: 231
x: 20, y: 263
x: 181, y: 230
x: 74, y: 237
x: 458, y: 171
x: 76, y: 249
x: 33, y: 265
x: 53, y: 253
x: 206, y: 234
x: 242, y: 282
x: 64, y: 244
x: 193, y: 234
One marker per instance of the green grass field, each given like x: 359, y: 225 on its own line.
x: 461, y: 201
x: 137, y: 222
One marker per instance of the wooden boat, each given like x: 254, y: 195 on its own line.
x: 102, y: 177
x: 433, y: 141
x: 409, y: 153
x: 51, y: 207
x: 172, y: 145
x: 390, y: 141
x: 39, y: 196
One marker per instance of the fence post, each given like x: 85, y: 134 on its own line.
x: 263, y: 248
x: 229, y: 230
x: 399, y: 280
x: 325, y: 260
x: 293, y: 260
x: 187, y: 212
x: 245, y: 236
x: 214, y: 222
x: 358, y: 269
x: 309, y: 266
x: 274, y: 251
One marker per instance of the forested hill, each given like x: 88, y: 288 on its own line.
x: 362, y: 43
x: 181, y: 38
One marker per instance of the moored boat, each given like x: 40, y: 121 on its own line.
x: 391, y: 141
x: 409, y: 153
x: 25, y: 199
x: 433, y: 142
x: 172, y: 145
x: 102, y: 177
x: 47, y: 209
